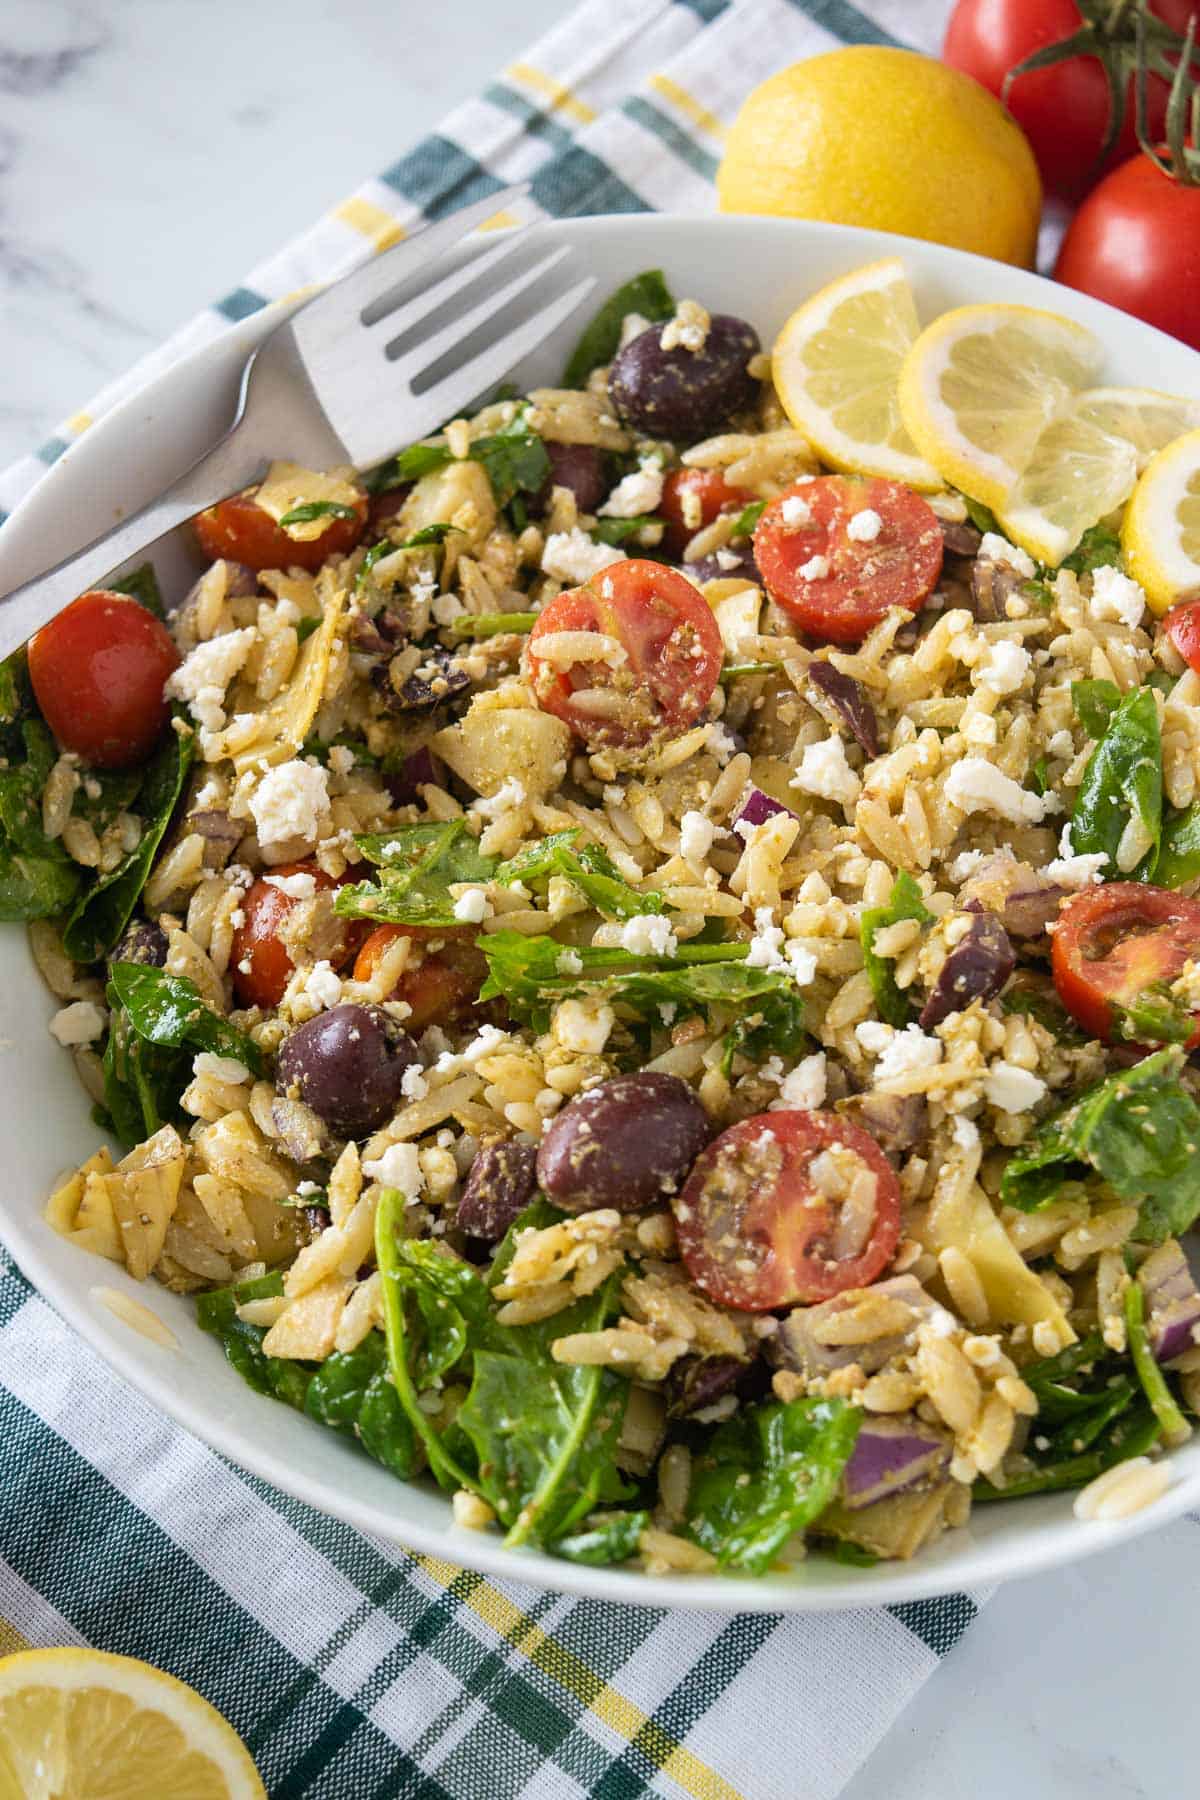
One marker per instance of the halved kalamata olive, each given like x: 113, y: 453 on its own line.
x: 960, y: 537
x: 499, y: 1187
x: 697, y: 1382
x: 348, y: 1064
x: 221, y: 835
x: 439, y: 678
x: 421, y: 768
x: 1027, y: 915
x: 142, y: 942
x: 735, y: 562
x: 382, y: 509
x: 992, y: 585
x: 839, y: 698
x: 977, y: 968
x: 579, y: 467
x: 626, y: 1143
x: 897, y: 1122
x: 684, y: 393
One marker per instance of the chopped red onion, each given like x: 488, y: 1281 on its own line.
x: 1172, y: 1301
x: 755, y: 808
x: 890, y: 1456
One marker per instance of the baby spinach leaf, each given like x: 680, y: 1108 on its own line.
x: 141, y: 584
x: 352, y: 1391
x: 904, y: 902
x: 747, y: 519
x: 515, y: 459
x: 276, y: 1376
x: 310, y: 510
x: 982, y: 517
x: 1159, y: 1397
x: 142, y: 1082
x: 1154, y: 1017
x: 1179, y: 852
x: 35, y: 887
x: 1039, y: 776
x: 1097, y: 548
x: 408, y: 465
x: 436, y: 533
x: 104, y: 910
x: 1043, y: 1007
x: 766, y: 1473
x: 16, y: 691
x: 647, y: 294
x: 1095, y: 702
x: 590, y: 870
x: 167, y: 1010
x: 487, y: 625
x: 37, y: 877
x: 1132, y: 1433
x: 619, y: 531
x: 608, y: 1538
x: 418, y: 865
x: 1122, y: 783
x: 1139, y: 1131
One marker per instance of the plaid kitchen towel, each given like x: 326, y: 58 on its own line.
x: 354, y: 1670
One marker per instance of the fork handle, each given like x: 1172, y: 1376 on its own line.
x: 233, y: 463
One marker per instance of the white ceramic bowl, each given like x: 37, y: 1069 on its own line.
x: 761, y: 269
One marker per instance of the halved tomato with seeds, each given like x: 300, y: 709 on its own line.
x: 837, y: 552
x: 259, y: 960
x: 692, y: 498
x: 787, y: 1208
x: 633, y: 655
x: 1115, y: 951
x: 438, y: 987
x: 240, y: 530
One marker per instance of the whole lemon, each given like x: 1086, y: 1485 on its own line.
x: 888, y: 139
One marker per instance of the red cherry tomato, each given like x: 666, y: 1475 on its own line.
x: 98, y: 671
x: 441, y: 986
x: 239, y: 530
x: 259, y: 960
x: 852, y: 582
x: 1182, y: 626
x: 755, y: 1229
x: 1063, y: 110
x: 1113, y: 946
x: 1135, y: 242
x: 672, y: 655
x: 692, y: 498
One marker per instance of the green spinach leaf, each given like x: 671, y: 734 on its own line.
x: 1179, y: 852
x: 608, y: 1538
x: 619, y: 531
x: 904, y: 902
x: 982, y: 517
x: 311, y: 510
x: 167, y: 1010
x: 37, y: 877
x: 1098, y: 547
x: 1122, y: 784
x: 1159, y: 1397
x: 515, y: 459
x: 747, y: 519
x: 418, y: 865
x: 142, y: 585
x: 352, y: 1391
x: 1095, y: 702
x: 408, y: 465
x: 647, y: 294
x: 590, y: 871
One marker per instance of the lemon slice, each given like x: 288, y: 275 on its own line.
x: 1161, y: 532
x: 80, y: 1722
x: 1085, y: 463
x: 836, y: 366
x: 982, y: 383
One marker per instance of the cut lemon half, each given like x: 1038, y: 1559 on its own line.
x: 1085, y: 463
x: 80, y: 1722
x: 1161, y: 531
x: 836, y: 366
x: 982, y: 383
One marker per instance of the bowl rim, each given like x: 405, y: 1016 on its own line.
x: 972, y: 1565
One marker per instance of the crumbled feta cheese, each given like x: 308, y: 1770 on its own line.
x: 966, y: 863
x: 583, y: 1025
x: 1004, y: 668
x: 796, y: 511
x: 941, y: 1323
x: 572, y: 556
x: 1012, y: 1089
x: 1115, y: 596
x: 472, y: 907
x: 979, y: 728
x: 568, y: 962
x: 975, y: 785
x: 322, y: 986
x: 649, y: 934
x: 634, y: 494
x: 994, y: 548
x: 488, y: 1039
x: 804, y: 1087
x: 413, y: 1085
x: 825, y: 772
x: 864, y: 527
x: 507, y: 797
x: 446, y: 608
x: 632, y: 325
x: 398, y: 1167
x: 874, y: 1036
x: 727, y: 560
x: 802, y: 963
x: 291, y: 801
x: 1076, y: 871
x: 1061, y: 744
x: 688, y: 330
x: 909, y: 1050
x: 341, y: 759
x: 815, y: 569
x: 721, y: 742
x: 80, y: 1023
x: 201, y: 679
x: 696, y: 835
x: 297, y: 887
x: 221, y: 1068
x: 770, y: 950
x: 966, y: 1135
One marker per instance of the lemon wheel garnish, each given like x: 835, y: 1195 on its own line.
x: 80, y: 1722
x: 836, y: 366
x: 981, y: 385
x: 1161, y: 531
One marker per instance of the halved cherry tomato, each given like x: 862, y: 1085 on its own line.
x: 98, y: 671
x: 837, y: 586
x: 259, y: 959
x: 665, y: 667
x: 239, y: 530
x: 692, y: 498
x: 1182, y: 626
x: 755, y: 1229
x: 442, y: 985
x: 1113, y: 946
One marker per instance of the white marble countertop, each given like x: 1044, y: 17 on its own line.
x: 151, y: 151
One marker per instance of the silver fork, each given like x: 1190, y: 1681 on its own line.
x: 378, y: 359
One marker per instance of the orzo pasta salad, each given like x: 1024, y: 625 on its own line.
x: 640, y: 978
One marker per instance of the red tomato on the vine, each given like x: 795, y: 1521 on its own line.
x: 1063, y: 110
x: 1135, y: 242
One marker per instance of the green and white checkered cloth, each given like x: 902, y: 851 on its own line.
x: 354, y: 1670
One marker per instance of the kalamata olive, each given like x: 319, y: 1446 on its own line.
x: 221, y: 834
x: 719, y: 566
x: 977, y: 967
x: 579, y: 467
x: 842, y: 700
x: 142, y: 942
x: 499, y: 1187
x: 993, y: 584
x: 420, y: 768
x: 627, y: 1143
x: 383, y: 509
x: 348, y: 1064
x: 960, y: 537
x: 897, y: 1122
x: 439, y: 678
x: 684, y: 393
